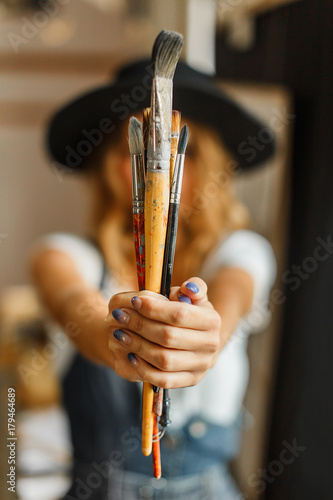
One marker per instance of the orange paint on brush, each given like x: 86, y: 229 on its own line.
x: 156, y: 452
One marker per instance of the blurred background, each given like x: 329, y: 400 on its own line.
x: 275, y: 57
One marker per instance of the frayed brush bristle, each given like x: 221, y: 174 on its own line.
x: 135, y: 136
x: 166, y: 52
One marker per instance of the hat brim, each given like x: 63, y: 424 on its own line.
x: 81, y: 126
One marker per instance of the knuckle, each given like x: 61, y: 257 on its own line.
x: 203, y: 363
x: 178, y: 315
x: 139, y: 323
x: 194, y: 378
x: 216, y: 321
x: 114, y: 301
x: 214, y: 342
x: 167, y: 336
x: 138, y: 349
x: 163, y: 382
x: 149, y: 307
x: 144, y: 374
x: 165, y: 361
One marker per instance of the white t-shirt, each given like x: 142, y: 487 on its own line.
x: 219, y: 395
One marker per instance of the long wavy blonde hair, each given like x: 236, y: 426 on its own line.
x: 211, y: 211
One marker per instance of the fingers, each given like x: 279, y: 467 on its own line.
x: 169, y: 343
x: 163, y: 379
x: 170, y: 324
x: 164, y: 359
x: 162, y: 334
x: 145, y: 309
x: 193, y: 291
x: 121, y: 364
x: 123, y: 299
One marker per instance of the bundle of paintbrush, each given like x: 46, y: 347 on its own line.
x: 155, y: 165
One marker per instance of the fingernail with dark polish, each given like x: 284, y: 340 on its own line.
x: 132, y: 358
x: 184, y: 298
x: 136, y: 302
x: 192, y: 286
x: 123, y: 337
x: 120, y: 316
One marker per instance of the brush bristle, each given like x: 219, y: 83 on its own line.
x: 183, y: 138
x: 135, y: 136
x: 166, y: 52
x: 145, y: 127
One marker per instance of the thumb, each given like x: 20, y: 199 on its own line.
x: 192, y: 291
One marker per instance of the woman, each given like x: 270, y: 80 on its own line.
x: 189, y: 343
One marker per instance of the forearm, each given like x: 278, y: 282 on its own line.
x: 231, y: 293
x: 82, y: 316
x: 78, y: 308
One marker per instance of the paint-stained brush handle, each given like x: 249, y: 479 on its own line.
x: 139, y: 242
x: 171, y: 246
x: 156, y: 450
x: 175, y: 128
x: 147, y: 418
x: 156, y: 218
x: 156, y: 215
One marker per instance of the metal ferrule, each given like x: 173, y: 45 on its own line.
x: 138, y: 210
x: 156, y: 165
x: 177, y: 180
x: 138, y: 181
x: 159, y: 139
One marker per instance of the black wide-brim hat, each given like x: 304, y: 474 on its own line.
x: 79, y: 127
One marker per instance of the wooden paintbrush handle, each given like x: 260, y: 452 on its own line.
x: 147, y: 418
x: 156, y: 218
x: 170, y: 247
x: 139, y: 241
x: 175, y: 126
x: 156, y: 451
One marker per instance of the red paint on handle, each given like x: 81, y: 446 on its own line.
x: 156, y: 451
x: 139, y: 241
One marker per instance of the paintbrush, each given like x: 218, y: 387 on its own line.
x: 175, y: 127
x: 159, y: 392
x: 138, y: 196
x: 165, y: 55
x: 135, y: 139
x: 171, y: 236
x: 170, y: 243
